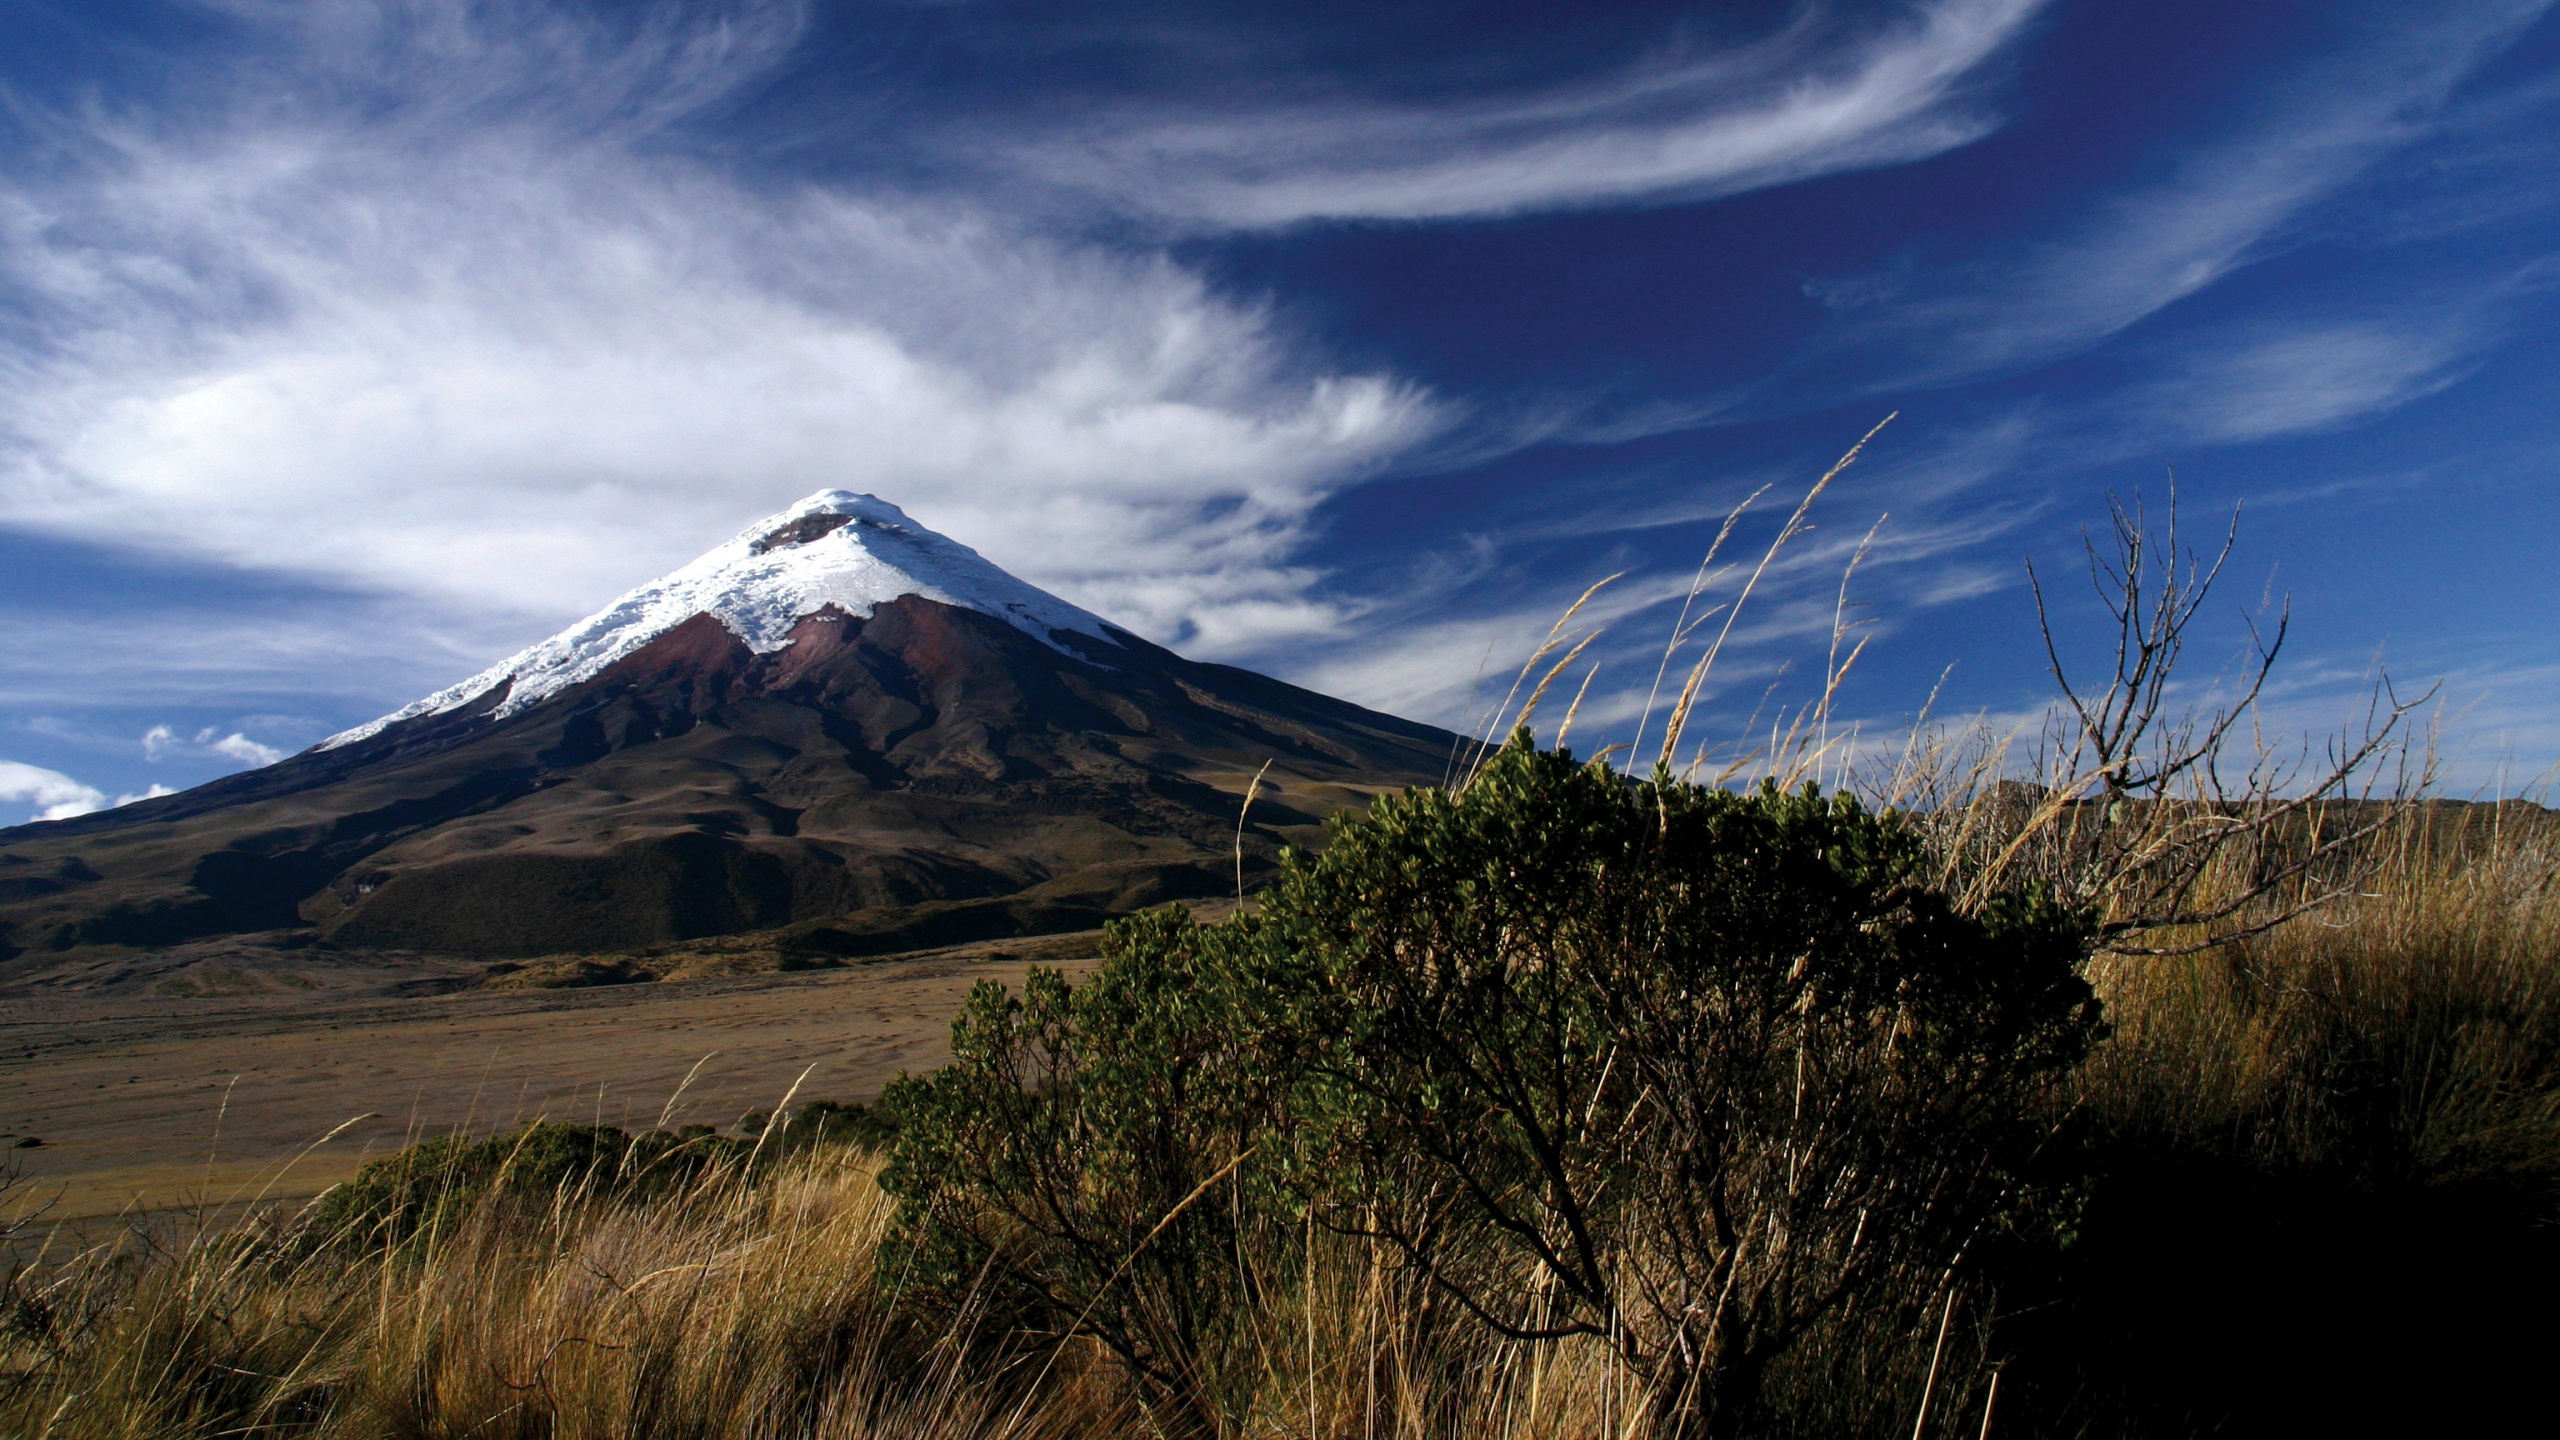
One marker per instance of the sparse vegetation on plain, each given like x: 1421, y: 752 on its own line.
x: 2120, y: 1089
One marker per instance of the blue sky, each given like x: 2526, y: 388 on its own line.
x: 346, y: 347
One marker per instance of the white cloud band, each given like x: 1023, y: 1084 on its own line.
x: 1805, y: 102
x: 57, y: 796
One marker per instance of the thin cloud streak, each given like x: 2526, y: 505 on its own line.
x: 2308, y: 379
x: 2146, y: 250
x: 2254, y: 382
x: 1453, y: 670
x: 1800, y: 104
x: 351, y: 657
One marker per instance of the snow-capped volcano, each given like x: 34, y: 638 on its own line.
x: 839, y: 727
x: 835, y: 548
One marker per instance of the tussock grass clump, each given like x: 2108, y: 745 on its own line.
x: 2326, y: 1158
x: 2408, y: 1035
x: 549, y: 1166
x: 715, y: 1309
x: 718, y: 1310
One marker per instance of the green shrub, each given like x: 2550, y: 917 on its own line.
x: 434, y: 1183
x: 1687, y: 1071
x: 1680, y: 1068
x: 822, y: 1122
x: 1083, y: 1164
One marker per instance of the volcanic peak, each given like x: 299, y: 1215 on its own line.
x: 836, y: 548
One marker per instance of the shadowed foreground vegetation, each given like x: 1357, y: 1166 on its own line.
x: 1279, y: 1177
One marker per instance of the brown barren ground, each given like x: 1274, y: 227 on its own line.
x: 150, y: 1101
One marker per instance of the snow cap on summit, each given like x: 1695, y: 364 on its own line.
x: 835, y: 548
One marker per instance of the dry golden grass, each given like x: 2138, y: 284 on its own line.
x: 726, y: 1311
x: 144, y: 1103
x: 2407, y: 1033
x: 723, y: 1311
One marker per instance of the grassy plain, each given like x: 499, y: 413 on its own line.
x: 147, y: 1101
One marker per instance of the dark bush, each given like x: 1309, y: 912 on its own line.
x: 1689, y: 1071
x: 435, y: 1182
x: 823, y: 1122
x: 1083, y: 1163
x: 1685, y: 1069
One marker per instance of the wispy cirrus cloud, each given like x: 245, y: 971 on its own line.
x: 1817, y: 98
x: 2294, y: 379
x: 2142, y: 250
x: 2253, y: 381
x: 461, y: 316
x: 330, y: 654
x: 1852, y: 563
x: 457, y: 324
